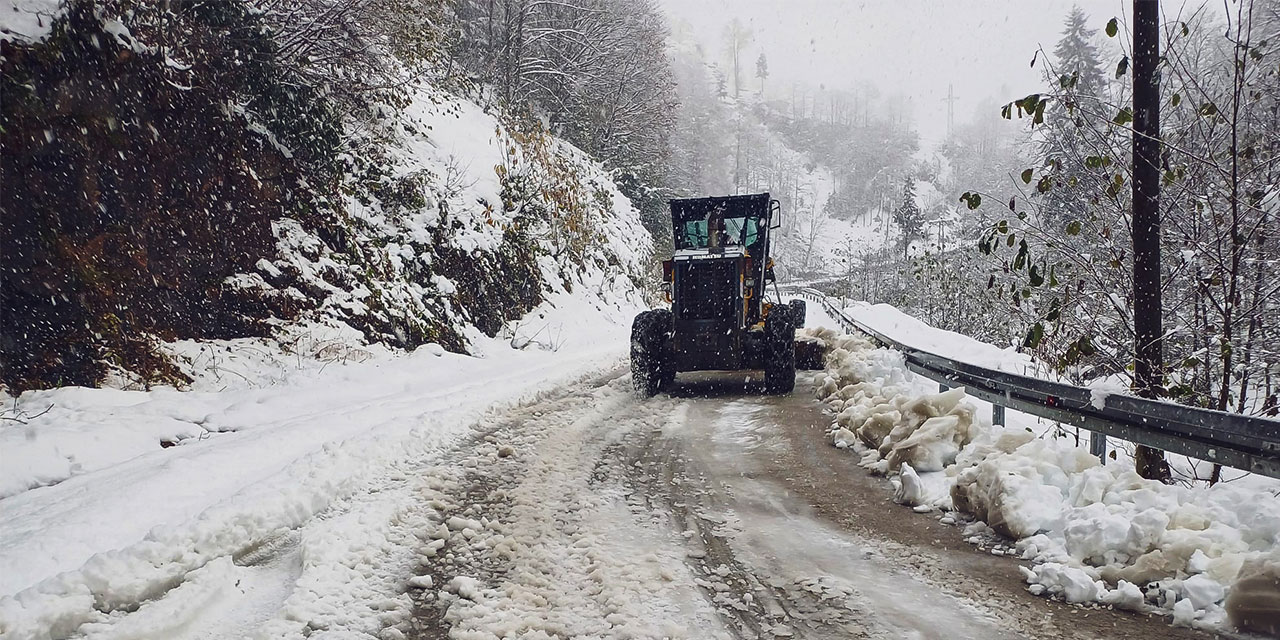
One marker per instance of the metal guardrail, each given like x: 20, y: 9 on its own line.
x: 1233, y: 440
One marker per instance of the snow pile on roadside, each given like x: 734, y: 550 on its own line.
x: 870, y: 389
x: 1094, y: 533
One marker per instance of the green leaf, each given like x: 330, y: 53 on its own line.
x: 1085, y: 345
x: 1124, y: 117
x: 1185, y: 30
x: 1044, y: 184
x: 1176, y: 99
x: 1026, y: 176
x: 1122, y: 67
x: 1034, y: 336
x: 1002, y: 226
x: 1035, y: 276
x: 972, y: 200
x: 1208, y: 109
x: 1073, y: 228
x: 1011, y: 239
x: 1113, y: 28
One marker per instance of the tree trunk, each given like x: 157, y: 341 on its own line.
x: 1148, y: 338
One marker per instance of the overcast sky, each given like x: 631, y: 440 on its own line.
x: 913, y: 47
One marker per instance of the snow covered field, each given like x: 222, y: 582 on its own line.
x: 1093, y: 532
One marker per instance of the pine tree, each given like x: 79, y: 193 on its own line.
x: 1073, y: 125
x: 1077, y: 56
x: 762, y: 70
x: 908, y: 216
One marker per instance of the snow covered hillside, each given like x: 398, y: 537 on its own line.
x: 814, y: 244
x: 415, y: 213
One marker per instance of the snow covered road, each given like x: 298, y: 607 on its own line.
x: 524, y: 499
x: 711, y: 513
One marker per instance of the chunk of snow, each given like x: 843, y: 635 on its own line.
x: 908, y: 489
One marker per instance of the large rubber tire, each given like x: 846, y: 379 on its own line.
x: 798, y: 313
x: 780, y: 351
x: 651, y: 367
x: 664, y: 334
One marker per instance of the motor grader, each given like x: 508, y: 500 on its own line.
x: 719, y: 319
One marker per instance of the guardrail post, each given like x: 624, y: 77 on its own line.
x: 997, y: 414
x: 1098, y: 445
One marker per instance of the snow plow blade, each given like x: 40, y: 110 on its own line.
x: 810, y: 353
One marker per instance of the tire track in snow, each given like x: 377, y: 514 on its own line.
x: 610, y: 518
x: 752, y: 602
x: 544, y: 542
x: 770, y: 566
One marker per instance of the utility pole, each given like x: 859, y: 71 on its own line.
x: 951, y: 108
x: 1148, y: 347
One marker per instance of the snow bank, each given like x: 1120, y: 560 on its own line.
x: 1209, y: 556
x: 870, y: 389
x: 895, y: 324
x: 142, y: 491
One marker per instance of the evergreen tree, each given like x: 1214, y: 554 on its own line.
x: 1075, y: 124
x: 908, y: 216
x: 762, y: 70
x: 1077, y: 56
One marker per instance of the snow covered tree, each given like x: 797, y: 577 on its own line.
x: 736, y: 38
x: 700, y: 155
x: 762, y: 71
x: 1071, y: 124
x: 597, y: 69
x: 908, y: 216
x: 1077, y: 56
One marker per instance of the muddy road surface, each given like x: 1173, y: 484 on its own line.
x: 710, y: 512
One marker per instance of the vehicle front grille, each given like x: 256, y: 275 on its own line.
x: 707, y: 289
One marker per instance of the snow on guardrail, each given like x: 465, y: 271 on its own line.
x: 1241, y: 442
